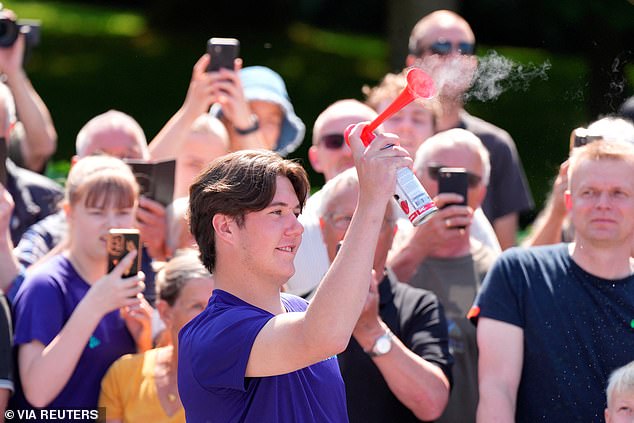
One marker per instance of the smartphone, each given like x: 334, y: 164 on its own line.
x: 454, y: 179
x: 119, y: 243
x: 222, y: 53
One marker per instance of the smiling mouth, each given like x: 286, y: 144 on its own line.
x: 287, y: 249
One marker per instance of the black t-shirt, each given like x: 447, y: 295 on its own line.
x: 577, y: 328
x: 35, y: 197
x: 416, y: 317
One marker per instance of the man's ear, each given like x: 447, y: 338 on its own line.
x: 224, y: 226
x: 481, y: 192
x: 568, y: 200
x: 313, y: 158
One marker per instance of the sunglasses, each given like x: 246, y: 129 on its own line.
x: 332, y: 141
x: 444, y: 48
x: 433, y: 171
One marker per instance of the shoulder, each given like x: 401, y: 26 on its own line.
x: 51, y: 273
x: 226, y: 316
x: 533, y: 255
x: 410, y: 300
x: 32, y: 181
x: 128, y: 364
x: 485, y: 130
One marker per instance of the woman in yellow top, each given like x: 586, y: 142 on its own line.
x: 142, y: 387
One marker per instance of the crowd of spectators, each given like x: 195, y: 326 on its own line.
x: 257, y: 301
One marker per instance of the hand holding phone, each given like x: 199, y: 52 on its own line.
x: 454, y: 180
x: 119, y: 243
x: 222, y: 53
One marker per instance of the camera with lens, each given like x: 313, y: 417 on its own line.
x: 10, y: 29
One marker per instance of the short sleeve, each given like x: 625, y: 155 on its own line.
x: 222, y: 349
x: 500, y: 296
x: 427, y: 335
x: 111, y: 395
x: 39, y: 310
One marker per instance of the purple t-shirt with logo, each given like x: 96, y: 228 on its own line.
x: 213, y: 352
x: 43, y: 305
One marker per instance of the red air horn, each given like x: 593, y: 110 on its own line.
x: 419, y: 85
x: 410, y: 194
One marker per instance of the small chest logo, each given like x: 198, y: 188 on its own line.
x: 93, y: 342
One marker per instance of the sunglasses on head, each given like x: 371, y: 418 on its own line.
x: 433, y: 171
x: 332, y: 141
x: 443, y: 48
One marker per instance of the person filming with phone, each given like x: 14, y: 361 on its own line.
x: 443, y: 256
x: 72, y: 319
x: 252, y: 103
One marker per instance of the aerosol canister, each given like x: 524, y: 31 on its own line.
x: 410, y: 193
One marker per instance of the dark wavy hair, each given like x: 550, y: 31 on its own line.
x: 234, y: 185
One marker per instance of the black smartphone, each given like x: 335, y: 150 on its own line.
x: 454, y: 179
x: 222, y: 53
x: 119, y: 243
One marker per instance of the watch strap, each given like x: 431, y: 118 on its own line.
x: 372, y: 352
x: 255, y: 125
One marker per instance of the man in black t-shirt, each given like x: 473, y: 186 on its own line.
x: 397, y: 365
x: 443, y: 44
x: 555, y: 321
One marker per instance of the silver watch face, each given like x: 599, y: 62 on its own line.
x: 383, y: 345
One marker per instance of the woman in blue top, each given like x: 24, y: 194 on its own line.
x: 72, y: 318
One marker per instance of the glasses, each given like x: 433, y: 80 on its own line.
x: 444, y: 48
x: 332, y: 141
x: 433, y: 171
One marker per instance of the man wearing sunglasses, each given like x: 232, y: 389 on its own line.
x: 329, y: 155
x: 444, y: 257
x: 443, y: 44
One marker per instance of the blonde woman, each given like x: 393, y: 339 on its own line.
x: 142, y: 387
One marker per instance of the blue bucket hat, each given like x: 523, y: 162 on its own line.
x: 264, y: 84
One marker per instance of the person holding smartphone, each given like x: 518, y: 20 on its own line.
x: 142, y: 387
x: 442, y: 255
x: 252, y: 103
x: 72, y: 319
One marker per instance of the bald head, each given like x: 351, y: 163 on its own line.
x: 336, y: 117
x: 114, y: 133
x: 438, y: 24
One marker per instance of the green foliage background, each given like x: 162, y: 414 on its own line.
x: 93, y: 58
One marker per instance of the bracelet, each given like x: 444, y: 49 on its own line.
x: 255, y: 125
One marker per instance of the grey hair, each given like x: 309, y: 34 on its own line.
x: 450, y: 139
x: 621, y: 380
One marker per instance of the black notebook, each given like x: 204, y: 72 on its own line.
x: 156, y: 179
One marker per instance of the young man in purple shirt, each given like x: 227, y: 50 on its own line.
x: 256, y: 354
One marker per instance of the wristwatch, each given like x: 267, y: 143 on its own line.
x: 382, y: 345
x: 255, y: 125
